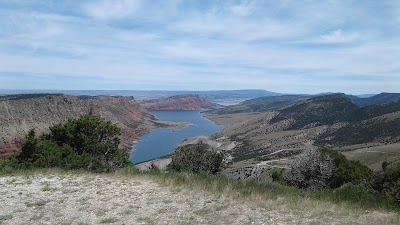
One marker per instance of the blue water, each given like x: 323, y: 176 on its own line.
x: 162, y: 141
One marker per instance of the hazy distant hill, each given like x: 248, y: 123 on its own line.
x: 215, y: 96
x: 179, y: 102
x: 376, y: 99
x: 261, y: 104
x: 270, y: 103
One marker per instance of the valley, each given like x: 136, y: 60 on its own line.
x: 260, y: 135
x: 264, y: 136
x: 199, y: 112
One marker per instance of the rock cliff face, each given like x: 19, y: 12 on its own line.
x: 20, y: 113
x: 179, y: 102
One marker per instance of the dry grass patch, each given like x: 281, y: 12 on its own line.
x: 166, y: 199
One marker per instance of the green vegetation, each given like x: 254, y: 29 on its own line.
x: 358, y: 196
x: 318, y: 170
x: 197, y: 159
x: 348, y: 171
x: 387, y: 181
x: 344, y: 180
x: 88, y: 142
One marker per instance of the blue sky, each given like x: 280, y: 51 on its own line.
x: 286, y: 46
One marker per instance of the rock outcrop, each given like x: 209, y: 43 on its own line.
x: 20, y: 113
x: 179, y: 102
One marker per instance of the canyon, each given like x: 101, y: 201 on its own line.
x: 20, y: 113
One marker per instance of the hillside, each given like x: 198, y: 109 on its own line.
x: 261, y: 104
x: 179, y: 102
x: 76, y: 198
x: 317, y: 111
x: 20, y: 113
x: 271, y: 103
x: 272, y: 139
x: 376, y: 99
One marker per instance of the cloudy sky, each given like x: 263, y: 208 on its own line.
x: 287, y: 46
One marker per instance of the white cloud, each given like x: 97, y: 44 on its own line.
x: 243, y: 9
x: 254, y: 44
x: 340, y: 37
x: 112, y: 9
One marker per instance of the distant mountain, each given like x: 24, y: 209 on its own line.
x: 261, y: 104
x: 214, y: 96
x: 179, y: 102
x: 376, y: 99
x: 365, y: 95
x: 20, y: 113
x: 270, y: 103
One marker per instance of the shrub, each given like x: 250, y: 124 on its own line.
x: 197, y: 159
x: 348, y: 171
x: 357, y: 194
x: 277, y: 176
x: 313, y: 171
x: 317, y: 170
x: 387, y: 180
x: 88, y: 142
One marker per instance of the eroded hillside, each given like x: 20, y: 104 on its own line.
x: 20, y: 113
x: 272, y: 139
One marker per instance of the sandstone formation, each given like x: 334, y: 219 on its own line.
x: 179, y: 102
x: 20, y: 113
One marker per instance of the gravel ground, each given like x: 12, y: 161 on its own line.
x: 116, y: 199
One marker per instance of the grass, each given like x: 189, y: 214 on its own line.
x: 353, y: 196
x: 374, y: 156
x: 37, y: 204
x: 46, y: 187
x: 12, y: 181
x: 109, y: 220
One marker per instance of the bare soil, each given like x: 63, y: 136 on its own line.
x: 60, y: 198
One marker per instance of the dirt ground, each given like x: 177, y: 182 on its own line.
x: 116, y: 199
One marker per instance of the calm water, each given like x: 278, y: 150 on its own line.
x: 161, y: 142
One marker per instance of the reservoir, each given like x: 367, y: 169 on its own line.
x: 162, y: 141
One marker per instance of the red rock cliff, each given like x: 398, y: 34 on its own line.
x: 20, y: 113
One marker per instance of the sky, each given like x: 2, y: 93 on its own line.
x: 286, y: 46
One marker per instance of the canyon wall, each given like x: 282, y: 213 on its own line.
x: 20, y: 113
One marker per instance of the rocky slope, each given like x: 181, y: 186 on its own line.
x: 20, y: 113
x: 271, y: 139
x: 179, y: 102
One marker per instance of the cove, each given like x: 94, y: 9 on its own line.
x: 162, y: 141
